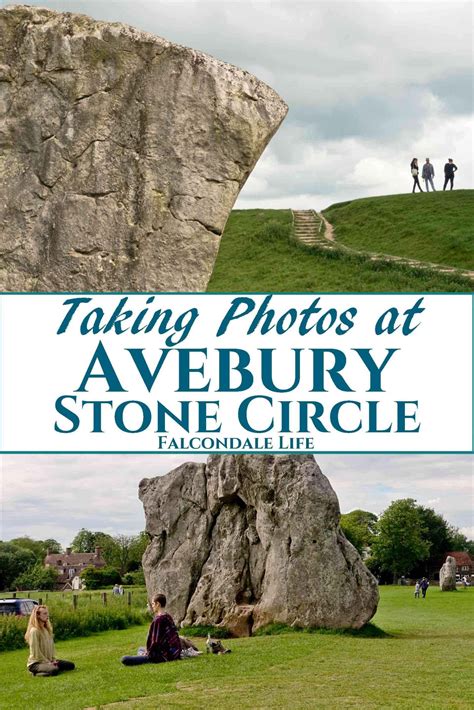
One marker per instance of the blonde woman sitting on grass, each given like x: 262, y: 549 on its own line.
x: 39, y: 637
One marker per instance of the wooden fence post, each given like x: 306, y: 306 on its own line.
x: 74, y: 601
x: 13, y: 595
x: 129, y: 598
x: 104, y: 598
x: 40, y: 601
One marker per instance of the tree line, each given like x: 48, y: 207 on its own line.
x: 22, y: 560
x: 407, y: 539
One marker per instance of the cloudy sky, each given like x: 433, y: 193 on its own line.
x: 369, y: 85
x: 54, y: 496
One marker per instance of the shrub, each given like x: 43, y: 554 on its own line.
x: 97, y: 578
x: 273, y: 231
x: 12, y: 632
x: 70, y: 623
x: 134, y: 578
x: 38, y: 577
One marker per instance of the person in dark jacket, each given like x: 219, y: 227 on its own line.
x: 449, y: 170
x: 428, y: 174
x: 163, y: 643
x: 424, y: 587
x: 414, y: 172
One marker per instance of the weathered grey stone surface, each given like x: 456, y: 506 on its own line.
x: 447, y: 575
x: 246, y: 540
x: 121, y: 154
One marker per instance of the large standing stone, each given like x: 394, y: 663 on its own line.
x: 447, y: 575
x: 121, y: 154
x: 247, y: 540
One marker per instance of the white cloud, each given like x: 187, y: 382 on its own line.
x: 54, y: 496
x: 369, y: 85
x: 355, y: 167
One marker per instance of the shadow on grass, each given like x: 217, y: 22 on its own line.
x: 367, y: 631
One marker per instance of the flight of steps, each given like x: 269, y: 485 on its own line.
x: 308, y: 229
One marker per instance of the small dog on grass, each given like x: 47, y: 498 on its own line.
x: 215, y: 646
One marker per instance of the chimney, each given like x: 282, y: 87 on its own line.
x: 98, y: 551
x: 68, y: 550
x: 48, y: 552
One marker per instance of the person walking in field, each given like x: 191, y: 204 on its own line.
x: 417, y: 590
x: 428, y: 174
x: 163, y: 642
x: 424, y: 587
x: 414, y: 172
x: 449, y: 170
x: 39, y: 637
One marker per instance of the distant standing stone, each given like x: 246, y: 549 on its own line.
x: 447, y: 575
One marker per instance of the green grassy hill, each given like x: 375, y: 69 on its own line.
x: 258, y: 254
x: 437, y: 226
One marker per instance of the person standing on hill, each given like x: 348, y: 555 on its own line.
x: 424, y: 587
x: 414, y: 172
x: 449, y: 170
x: 428, y: 174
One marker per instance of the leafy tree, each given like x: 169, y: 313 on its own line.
x: 38, y: 547
x: 13, y: 561
x: 121, y: 554
x: 459, y: 542
x: 38, y: 577
x: 137, y: 550
x: 87, y: 541
x: 121, y: 551
x: 84, y: 541
x: 52, y: 545
x: 436, y: 532
x: 401, y: 541
x: 359, y: 526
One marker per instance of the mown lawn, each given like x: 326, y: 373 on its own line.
x: 257, y: 255
x: 424, y: 662
x: 437, y: 226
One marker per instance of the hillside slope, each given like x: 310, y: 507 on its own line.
x: 437, y: 226
x: 257, y: 254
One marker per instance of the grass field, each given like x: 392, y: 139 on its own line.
x: 258, y: 255
x: 423, y: 661
x: 437, y: 227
